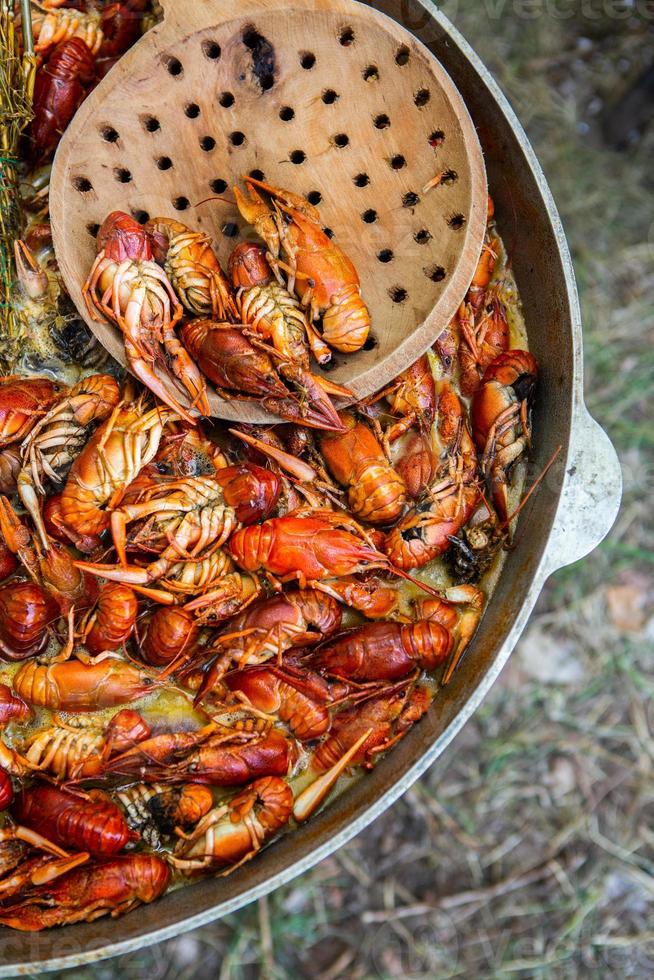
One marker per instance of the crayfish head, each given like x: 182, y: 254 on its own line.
x: 94, y: 398
x: 248, y: 266
x: 122, y: 237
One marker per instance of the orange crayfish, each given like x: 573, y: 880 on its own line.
x: 271, y: 313
x: 376, y: 492
x: 128, y: 288
x: 309, y: 548
x: 448, y: 501
x: 111, y: 886
x: 110, y: 461
x: 296, y: 696
x: 23, y: 401
x: 384, y: 651
x: 501, y: 420
x: 233, y: 833
x: 85, y: 821
x: 75, y: 686
x: 192, y: 267
x: 357, y: 736
x: 325, y: 278
x: 270, y: 627
x: 58, y: 437
x: 205, y: 756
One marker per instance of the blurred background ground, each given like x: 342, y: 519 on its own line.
x: 528, y: 851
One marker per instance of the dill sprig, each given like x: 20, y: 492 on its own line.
x: 17, y: 71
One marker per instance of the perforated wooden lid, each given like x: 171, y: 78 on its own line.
x: 328, y: 98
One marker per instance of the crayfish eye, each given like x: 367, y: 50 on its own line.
x: 525, y: 387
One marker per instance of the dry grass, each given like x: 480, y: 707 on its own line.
x: 528, y: 851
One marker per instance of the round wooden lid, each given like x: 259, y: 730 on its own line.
x: 328, y: 98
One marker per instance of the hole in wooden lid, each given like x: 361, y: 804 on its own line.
x: 402, y: 55
x: 181, y: 203
x: 346, y: 37
x: 436, y: 138
x: 307, y: 60
x: 109, y: 134
x: 218, y: 186
x: 410, y: 199
x: 164, y: 163
x: 341, y: 140
x: 314, y: 197
x: 286, y: 113
x: 435, y: 272
x: 226, y: 99
x: 456, y: 222
x: 423, y: 236
x: 251, y: 37
x: 140, y: 216
x: 122, y: 175
x: 371, y: 342
x: 257, y: 174
x: 382, y: 121
x: 207, y: 143
x: 371, y: 73
x: 230, y: 229
x: 328, y: 232
x: 192, y: 110
x: 152, y: 124
x: 211, y: 49
x: 422, y: 97
x: 329, y: 96
x: 449, y: 177
x: 370, y: 216
x: 93, y: 228
x: 362, y: 180
x: 82, y: 184
x: 237, y: 138
x: 174, y: 66
x: 398, y: 161
x: 398, y: 294
x: 297, y: 156
x: 386, y: 255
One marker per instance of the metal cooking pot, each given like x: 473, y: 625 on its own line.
x: 568, y: 517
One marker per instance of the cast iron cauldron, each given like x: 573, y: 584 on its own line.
x: 563, y: 522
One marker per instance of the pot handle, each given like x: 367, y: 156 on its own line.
x: 591, y: 495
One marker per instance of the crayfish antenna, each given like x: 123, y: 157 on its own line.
x: 548, y: 466
x: 310, y: 798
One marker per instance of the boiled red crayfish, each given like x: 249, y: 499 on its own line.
x: 128, y: 288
